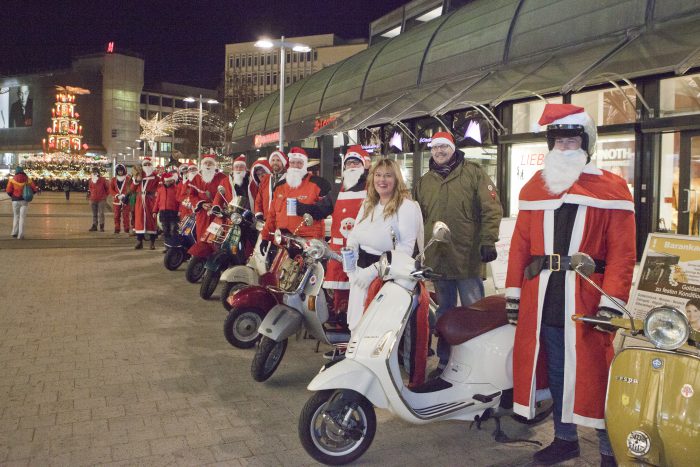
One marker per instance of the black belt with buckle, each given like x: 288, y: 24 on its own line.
x: 556, y: 263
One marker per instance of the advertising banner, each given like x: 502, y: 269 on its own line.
x: 499, y: 267
x: 669, y: 275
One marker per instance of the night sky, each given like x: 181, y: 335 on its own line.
x: 181, y: 41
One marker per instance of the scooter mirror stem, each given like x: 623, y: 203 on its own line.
x: 614, y: 300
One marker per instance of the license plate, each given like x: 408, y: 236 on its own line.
x: 214, y: 228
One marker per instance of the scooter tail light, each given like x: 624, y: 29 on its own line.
x: 383, y: 341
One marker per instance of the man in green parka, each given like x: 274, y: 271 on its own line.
x: 459, y: 193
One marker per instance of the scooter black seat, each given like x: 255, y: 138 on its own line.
x: 460, y: 324
x: 338, y: 337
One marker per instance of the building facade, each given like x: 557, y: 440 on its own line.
x: 252, y: 73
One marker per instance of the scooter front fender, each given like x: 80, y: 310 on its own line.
x: 244, y: 274
x: 218, y: 261
x: 348, y: 374
x: 176, y: 241
x: 281, y: 322
x: 253, y: 296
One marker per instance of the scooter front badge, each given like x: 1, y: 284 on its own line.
x: 687, y: 391
x: 638, y: 443
x: 657, y: 363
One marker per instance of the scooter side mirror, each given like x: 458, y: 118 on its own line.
x: 441, y: 232
x: 583, y: 264
x: 307, y: 220
x: 221, y: 190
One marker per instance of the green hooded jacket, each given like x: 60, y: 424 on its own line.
x: 467, y: 201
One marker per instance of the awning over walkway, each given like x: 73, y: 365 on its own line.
x: 487, y: 52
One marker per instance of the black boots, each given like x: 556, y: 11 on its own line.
x: 102, y: 227
x: 139, y: 245
x: 153, y: 245
x: 93, y: 228
x: 558, y: 451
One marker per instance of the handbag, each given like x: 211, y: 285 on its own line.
x: 27, y: 192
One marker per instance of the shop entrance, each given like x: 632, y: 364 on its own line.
x: 679, y: 210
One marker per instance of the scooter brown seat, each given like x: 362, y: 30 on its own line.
x: 460, y: 324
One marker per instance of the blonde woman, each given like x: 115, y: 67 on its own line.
x: 388, y: 215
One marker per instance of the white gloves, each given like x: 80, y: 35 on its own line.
x: 363, y: 277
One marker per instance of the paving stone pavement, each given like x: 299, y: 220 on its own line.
x: 106, y: 358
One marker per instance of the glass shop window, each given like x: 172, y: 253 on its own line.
x: 680, y: 96
x: 526, y: 114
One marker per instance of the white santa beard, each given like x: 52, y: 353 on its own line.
x: 238, y: 178
x: 208, y: 174
x: 351, y: 177
x: 121, y: 178
x: 94, y: 178
x: 191, y: 175
x: 562, y: 169
x: 295, y: 176
x: 148, y: 171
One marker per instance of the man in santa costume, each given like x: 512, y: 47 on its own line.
x: 184, y: 190
x: 352, y: 194
x: 119, y: 189
x: 278, y: 163
x: 145, y: 188
x: 258, y: 171
x: 570, y: 206
x: 311, y: 193
x: 167, y: 204
x: 238, y: 181
x: 205, y: 188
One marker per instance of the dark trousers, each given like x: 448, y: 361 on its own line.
x: 67, y: 195
x: 169, y: 220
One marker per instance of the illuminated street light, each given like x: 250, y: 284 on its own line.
x: 199, y: 145
x: 296, y: 47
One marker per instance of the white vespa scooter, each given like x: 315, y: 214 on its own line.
x: 338, y: 423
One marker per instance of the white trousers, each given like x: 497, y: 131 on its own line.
x: 19, y: 210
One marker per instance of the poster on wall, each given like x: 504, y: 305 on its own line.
x: 669, y: 275
x: 499, y: 267
x: 525, y: 161
x: 16, y: 107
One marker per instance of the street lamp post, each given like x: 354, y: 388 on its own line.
x: 199, y: 145
x: 296, y: 47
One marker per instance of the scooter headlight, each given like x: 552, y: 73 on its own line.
x: 667, y: 328
x: 278, y: 237
x: 384, y: 264
x: 236, y: 218
x: 316, y: 249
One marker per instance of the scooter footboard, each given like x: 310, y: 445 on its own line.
x: 348, y: 374
x: 280, y: 322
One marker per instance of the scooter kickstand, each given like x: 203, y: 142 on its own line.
x: 500, y: 436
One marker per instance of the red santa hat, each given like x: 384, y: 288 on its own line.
x: 147, y: 159
x: 260, y: 163
x: 170, y: 176
x: 356, y: 152
x: 240, y: 163
x: 281, y: 155
x: 569, y: 120
x: 211, y: 157
x: 443, y: 137
x: 298, y: 153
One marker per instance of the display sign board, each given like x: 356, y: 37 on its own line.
x: 669, y: 275
x: 499, y: 267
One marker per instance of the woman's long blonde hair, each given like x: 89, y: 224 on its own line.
x: 400, y: 190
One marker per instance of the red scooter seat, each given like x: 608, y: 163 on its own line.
x: 460, y: 324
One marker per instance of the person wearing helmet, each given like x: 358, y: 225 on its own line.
x: 569, y: 206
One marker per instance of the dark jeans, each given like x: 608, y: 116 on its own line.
x: 169, y: 220
x: 470, y: 291
x: 553, y: 341
x: 152, y: 237
x: 67, y: 195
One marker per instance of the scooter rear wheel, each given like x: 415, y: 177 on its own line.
x: 228, y: 289
x: 325, y: 440
x: 268, y: 357
x: 195, y: 269
x: 210, y: 280
x: 241, y: 327
x: 173, y: 258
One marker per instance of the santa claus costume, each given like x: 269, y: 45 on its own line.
x: 238, y: 180
x: 258, y: 171
x: 268, y: 184
x: 352, y: 194
x: 119, y: 189
x: 204, y: 190
x: 184, y: 191
x: 570, y: 206
x: 145, y: 188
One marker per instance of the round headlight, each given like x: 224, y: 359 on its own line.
x: 384, y: 264
x: 236, y: 218
x: 315, y: 249
x: 278, y: 237
x: 667, y: 328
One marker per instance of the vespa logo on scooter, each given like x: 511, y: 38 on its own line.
x: 638, y: 443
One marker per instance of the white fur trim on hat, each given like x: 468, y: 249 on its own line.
x: 438, y: 141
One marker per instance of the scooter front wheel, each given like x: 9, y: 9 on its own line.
x: 195, y: 269
x: 268, y: 357
x: 336, y: 434
x: 241, y: 327
x: 173, y: 258
x: 210, y: 280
